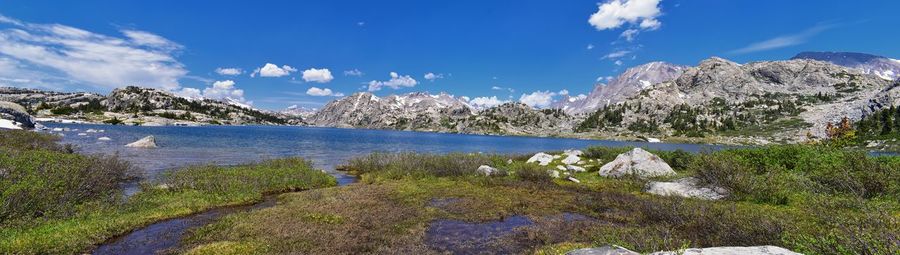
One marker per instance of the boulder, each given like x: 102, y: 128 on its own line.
x: 653, y: 140
x: 636, y: 162
x: 487, y: 170
x: 571, y: 159
x: 541, y: 158
x: 15, y: 115
x: 572, y: 179
x: 752, y: 250
x: 553, y: 173
x: 561, y: 168
x: 604, y: 250
x: 573, y: 152
x: 685, y: 187
x: 575, y: 168
x: 146, y: 142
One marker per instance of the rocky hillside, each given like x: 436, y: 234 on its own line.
x: 626, y: 85
x: 784, y: 99
x: 441, y: 113
x: 883, y: 67
x: 137, y: 106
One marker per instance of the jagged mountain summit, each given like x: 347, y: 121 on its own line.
x: 626, y: 85
x: 883, y: 67
x: 789, y: 99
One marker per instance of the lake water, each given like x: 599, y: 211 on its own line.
x: 326, y: 147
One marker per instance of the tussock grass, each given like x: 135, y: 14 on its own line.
x: 805, y: 198
x: 56, y: 202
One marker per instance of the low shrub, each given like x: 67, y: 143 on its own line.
x: 530, y: 172
x: 268, y: 176
x: 421, y: 165
x: 26, y: 140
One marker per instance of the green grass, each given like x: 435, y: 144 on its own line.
x: 56, y: 202
x: 809, y: 199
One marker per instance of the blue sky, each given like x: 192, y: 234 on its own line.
x: 506, y: 49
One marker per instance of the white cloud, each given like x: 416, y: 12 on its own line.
x: 221, y: 90
x: 784, y: 40
x: 317, y: 75
x: 486, y: 102
x: 433, y: 76
x: 617, y: 54
x: 618, y: 62
x: 615, y: 13
x: 229, y: 71
x: 511, y: 90
x: 272, y: 70
x: 57, y: 55
x: 564, y: 92
x: 397, y: 81
x: 590, y: 46
x: 354, y: 72
x: 629, y: 34
x: 538, y: 99
x: 315, y: 91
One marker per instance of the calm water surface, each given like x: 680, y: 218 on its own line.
x: 326, y: 147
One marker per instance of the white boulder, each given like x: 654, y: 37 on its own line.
x: 571, y: 159
x: 561, y: 168
x: 573, y: 152
x: 146, y: 142
x: 541, y: 158
x: 653, y: 140
x: 487, y: 170
x: 604, y: 250
x: 553, y: 173
x: 636, y: 162
x: 575, y: 168
x: 685, y: 187
x: 572, y: 179
x: 753, y: 250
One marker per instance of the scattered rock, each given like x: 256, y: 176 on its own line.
x: 487, y: 170
x: 82, y: 134
x: 636, y: 162
x: 57, y: 129
x: 91, y: 130
x: 104, y: 139
x: 653, y: 140
x: 575, y: 168
x: 571, y: 159
x: 553, y: 173
x: 753, y: 250
x: 146, y: 142
x: 605, y: 250
x: 509, y: 161
x: 572, y: 179
x: 561, y: 168
x: 542, y: 158
x: 685, y: 187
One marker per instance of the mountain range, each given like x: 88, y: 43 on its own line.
x: 781, y: 101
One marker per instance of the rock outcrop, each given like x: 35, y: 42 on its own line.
x: 883, y: 67
x: 753, y: 250
x: 16, y: 116
x: 146, y: 142
x: 685, y: 187
x: 622, y: 87
x: 541, y: 158
x: 637, y: 162
x: 487, y: 170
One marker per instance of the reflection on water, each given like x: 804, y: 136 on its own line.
x: 326, y: 147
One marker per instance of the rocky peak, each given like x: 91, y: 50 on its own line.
x: 883, y: 67
x: 626, y: 85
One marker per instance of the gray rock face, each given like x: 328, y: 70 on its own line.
x: 883, y: 67
x: 227, y: 111
x: 636, y: 162
x: 146, y: 142
x: 17, y: 114
x: 626, y: 85
x: 685, y: 187
x: 753, y: 250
